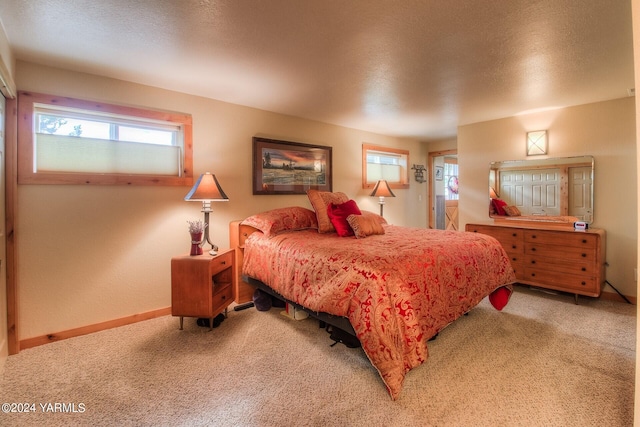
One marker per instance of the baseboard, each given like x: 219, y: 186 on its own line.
x: 84, y: 330
x: 612, y: 296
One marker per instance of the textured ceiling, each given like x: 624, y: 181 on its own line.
x: 407, y: 67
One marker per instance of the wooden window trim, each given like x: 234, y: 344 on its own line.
x: 404, y: 179
x: 26, y: 175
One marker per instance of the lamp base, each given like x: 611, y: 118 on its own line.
x: 213, y: 252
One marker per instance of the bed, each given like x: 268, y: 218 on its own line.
x: 397, y: 286
x: 557, y: 221
x: 502, y: 213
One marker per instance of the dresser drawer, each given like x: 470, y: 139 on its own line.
x: 510, y: 239
x: 518, y: 268
x: 576, y: 239
x: 583, y: 267
x: 221, y: 262
x: 560, y: 252
x: 562, y: 281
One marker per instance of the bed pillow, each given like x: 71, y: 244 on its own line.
x: 499, y: 205
x: 283, y: 219
x: 375, y: 217
x: 338, y: 216
x: 364, y: 225
x: 500, y: 297
x: 320, y: 200
x: 512, y: 211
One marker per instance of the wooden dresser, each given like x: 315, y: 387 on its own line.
x: 554, y: 258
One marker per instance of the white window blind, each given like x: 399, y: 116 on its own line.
x: 56, y: 153
x: 386, y: 166
x: 78, y: 141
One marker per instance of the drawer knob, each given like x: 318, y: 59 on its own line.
x: 533, y: 262
x: 533, y: 249
x: 533, y: 236
x: 584, y: 240
x: 513, y: 246
x: 584, y: 255
x: 583, y: 283
x: 514, y: 234
x: 584, y: 269
x: 224, y: 297
x: 533, y: 274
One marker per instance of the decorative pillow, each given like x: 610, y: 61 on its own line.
x: 512, y: 211
x: 500, y: 297
x: 499, y: 205
x: 375, y: 217
x: 320, y: 200
x: 364, y: 225
x: 283, y: 219
x: 338, y: 216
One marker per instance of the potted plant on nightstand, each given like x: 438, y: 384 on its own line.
x: 196, y: 228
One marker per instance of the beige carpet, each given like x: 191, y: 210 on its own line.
x: 542, y: 361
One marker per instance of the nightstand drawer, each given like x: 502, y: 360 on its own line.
x: 221, y: 262
x: 223, y: 297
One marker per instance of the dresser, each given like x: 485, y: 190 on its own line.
x: 554, y: 258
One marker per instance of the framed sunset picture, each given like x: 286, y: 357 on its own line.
x: 283, y: 167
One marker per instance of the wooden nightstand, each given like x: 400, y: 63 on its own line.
x: 202, y: 285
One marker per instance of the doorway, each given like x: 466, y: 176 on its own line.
x: 443, y: 190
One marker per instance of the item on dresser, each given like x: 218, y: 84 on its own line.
x: 553, y: 258
x: 396, y: 289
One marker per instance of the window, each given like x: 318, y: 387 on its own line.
x: 384, y: 163
x: 451, y: 179
x: 70, y: 141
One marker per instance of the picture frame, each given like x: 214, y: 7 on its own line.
x: 284, y: 167
x: 439, y: 173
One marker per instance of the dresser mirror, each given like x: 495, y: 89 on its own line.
x: 554, y: 189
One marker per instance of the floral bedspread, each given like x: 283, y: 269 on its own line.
x: 398, y: 289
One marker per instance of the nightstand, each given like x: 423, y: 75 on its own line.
x: 202, y: 285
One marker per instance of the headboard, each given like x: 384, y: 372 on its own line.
x: 238, y: 233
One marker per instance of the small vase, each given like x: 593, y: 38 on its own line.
x: 196, y: 249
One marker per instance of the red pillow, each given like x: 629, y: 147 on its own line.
x: 499, y: 205
x: 500, y: 297
x: 338, y: 215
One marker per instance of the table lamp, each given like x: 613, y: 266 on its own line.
x: 382, y: 190
x: 207, y: 190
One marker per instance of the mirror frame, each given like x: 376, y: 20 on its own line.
x: 555, y: 162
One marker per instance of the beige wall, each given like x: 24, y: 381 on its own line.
x: 605, y: 130
x: 96, y: 253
